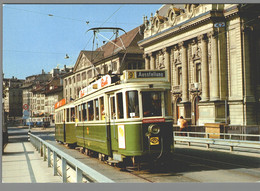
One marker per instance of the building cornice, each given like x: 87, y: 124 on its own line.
x: 205, y: 17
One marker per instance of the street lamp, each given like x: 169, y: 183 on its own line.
x: 66, y: 56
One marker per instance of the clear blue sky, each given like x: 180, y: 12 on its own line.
x: 33, y: 40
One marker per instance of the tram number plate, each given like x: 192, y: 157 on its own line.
x: 154, y: 141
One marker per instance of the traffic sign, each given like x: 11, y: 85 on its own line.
x: 25, y: 106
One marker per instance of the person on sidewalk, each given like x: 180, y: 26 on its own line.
x: 183, y: 125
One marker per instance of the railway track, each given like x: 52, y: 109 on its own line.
x: 187, y: 165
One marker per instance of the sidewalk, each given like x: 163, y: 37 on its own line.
x: 21, y: 163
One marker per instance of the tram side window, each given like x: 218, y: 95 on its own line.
x: 133, y: 104
x: 72, y: 114
x: 96, y: 109
x: 151, y: 104
x: 112, y: 108
x: 102, y: 108
x: 63, y: 116
x: 80, y: 112
x: 67, y: 115
x: 120, y: 110
x: 84, y: 112
x: 76, y: 114
x: 57, y: 117
x: 90, y: 111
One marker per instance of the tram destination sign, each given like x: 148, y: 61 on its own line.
x: 150, y: 74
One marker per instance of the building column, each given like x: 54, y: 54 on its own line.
x: 152, y: 61
x: 185, y: 79
x: 167, y: 62
x: 174, y: 68
x: 204, y: 68
x: 147, y: 61
x: 248, y: 73
x: 215, y: 67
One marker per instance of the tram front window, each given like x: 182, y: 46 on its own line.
x: 133, y: 104
x: 151, y: 104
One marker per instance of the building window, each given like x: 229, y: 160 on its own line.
x: 179, y: 69
x: 89, y: 73
x: 114, y: 66
x: 78, y: 77
x: 136, y: 65
x: 83, y: 75
x: 69, y: 81
x: 98, y: 71
x: 198, y: 73
x: 73, y: 78
x: 105, y: 69
x: 65, y: 82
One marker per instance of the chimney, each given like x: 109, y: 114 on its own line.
x: 43, y: 71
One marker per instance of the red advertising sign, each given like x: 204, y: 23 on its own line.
x: 60, y: 103
x: 105, y: 80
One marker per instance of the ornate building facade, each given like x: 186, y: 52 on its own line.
x: 211, y: 52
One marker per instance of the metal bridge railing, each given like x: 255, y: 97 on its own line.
x: 223, y: 139
x: 62, y: 162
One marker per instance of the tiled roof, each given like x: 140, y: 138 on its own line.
x: 128, y: 40
x: 93, y: 56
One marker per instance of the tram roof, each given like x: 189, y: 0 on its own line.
x: 129, y: 76
x: 136, y: 77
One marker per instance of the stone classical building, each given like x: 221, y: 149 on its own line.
x: 212, y: 53
x: 109, y: 57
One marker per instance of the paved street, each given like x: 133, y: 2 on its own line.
x: 21, y: 163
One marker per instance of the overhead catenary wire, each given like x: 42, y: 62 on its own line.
x: 92, y: 59
x: 69, y: 18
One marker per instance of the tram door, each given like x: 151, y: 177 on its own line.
x: 110, y: 123
x: 64, y: 125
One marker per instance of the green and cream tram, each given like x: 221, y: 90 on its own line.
x: 128, y: 118
x: 65, y: 130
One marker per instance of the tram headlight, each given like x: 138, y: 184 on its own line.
x: 154, y: 129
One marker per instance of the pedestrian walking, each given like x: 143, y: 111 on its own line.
x: 183, y: 125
